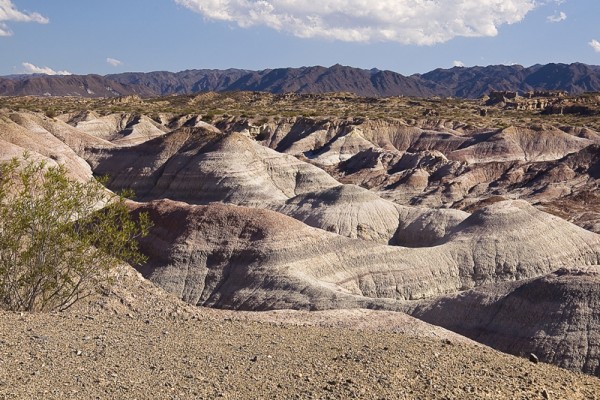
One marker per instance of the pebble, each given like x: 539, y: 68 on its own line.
x: 533, y: 358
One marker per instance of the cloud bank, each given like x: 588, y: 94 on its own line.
x: 595, y: 45
x: 32, y: 69
x: 9, y: 13
x: 420, y: 22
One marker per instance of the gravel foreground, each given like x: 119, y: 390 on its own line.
x: 65, y: 356
x: 139, y: 343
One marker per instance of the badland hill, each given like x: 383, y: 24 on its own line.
x: 478, y: 216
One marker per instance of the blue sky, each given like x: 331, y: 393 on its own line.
x: 407, y: 36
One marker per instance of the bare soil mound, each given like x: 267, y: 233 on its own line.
x: 242, y: 258
x: 43, y: 138
x: 555, y: 316
x: 122, y: 129
x: 200, y: 166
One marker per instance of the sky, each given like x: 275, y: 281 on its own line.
x: 406, y: 36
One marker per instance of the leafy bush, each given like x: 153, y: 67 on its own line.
x: 56, y: 243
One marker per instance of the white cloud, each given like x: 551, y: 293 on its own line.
x: 9, y: 13
x: 421, y: 22
x: 5, y: 30
x: 561, y: 16
x: 595, y: 45
x: 458, y: 63
x: 114, y: 62
x: 32, y: 69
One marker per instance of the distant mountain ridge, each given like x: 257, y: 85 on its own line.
x: 465, y: 82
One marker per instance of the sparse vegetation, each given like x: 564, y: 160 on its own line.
x: 215, y: 107
x: 55, y: 245
x: 51, y: 113
x: 208, y: 117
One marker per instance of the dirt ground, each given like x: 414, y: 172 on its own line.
x: 73, y: 356
x: 140, y: 343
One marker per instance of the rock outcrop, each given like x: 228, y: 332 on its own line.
x: 202, y: 166
x: 241, y: 258
x: 355, y: 212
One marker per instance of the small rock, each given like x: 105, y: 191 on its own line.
x: 254, y: 359
x: 533, y: 358
x: 545, y: 394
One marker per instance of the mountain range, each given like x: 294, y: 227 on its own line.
x: 464, y: 82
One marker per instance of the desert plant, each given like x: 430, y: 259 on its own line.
x: 209, y: 117
x: 51, y: 113
x: 57, y: 242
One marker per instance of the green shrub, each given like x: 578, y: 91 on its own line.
x: 56, y: 245
x: 51, y: 113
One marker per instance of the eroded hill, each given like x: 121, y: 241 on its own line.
x: 430, y: 207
